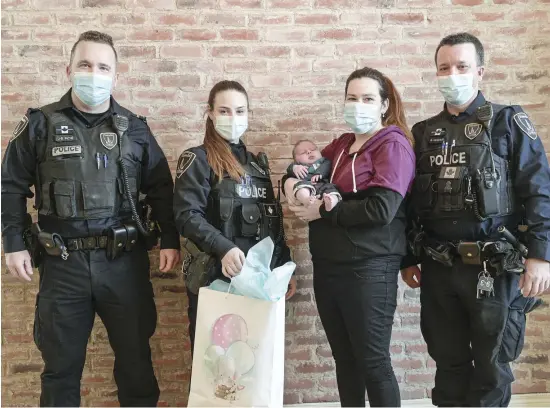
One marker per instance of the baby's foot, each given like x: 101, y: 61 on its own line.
x: 330, y: 201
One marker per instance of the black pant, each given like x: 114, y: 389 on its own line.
x: 471, y: 340
x: 357, y: 304
x: 70, y: 294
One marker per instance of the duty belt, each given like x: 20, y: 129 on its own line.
x: 77, y: 244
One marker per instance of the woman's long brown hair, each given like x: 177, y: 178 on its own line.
x: 395, y: 114
x: 218, y: 151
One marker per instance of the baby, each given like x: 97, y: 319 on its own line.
x: 312, y: 172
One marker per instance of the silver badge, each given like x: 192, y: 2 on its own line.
x: 473, y: 130
x: 185, y: 160
x: 63, y: 150
x: 109, y: 140
x: 525, y: 124
x: 21, y: 126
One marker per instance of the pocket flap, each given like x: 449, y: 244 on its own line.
x: 251, y: 213
x: 63, y: 187
x: 226, y: 208
x: 132, y: 182
x: 469, y: 249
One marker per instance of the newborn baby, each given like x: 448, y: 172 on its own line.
x: 311, y: 171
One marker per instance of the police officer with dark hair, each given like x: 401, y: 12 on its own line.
x: 224, y: 201
x: 88, y: 159
x: 481, y: 173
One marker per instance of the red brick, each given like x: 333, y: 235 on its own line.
x: 324, y: 352
x: 262, y: 20
x: 315, y: 339
x: 402, y: 18
x: 416, y: 348
x: 408, y: 363
x: 36, y: 80
x: 53, y: 35
x: 399, y: 49
x: 333, y: 65
x: 15, y: 4
x: 509, y: 1
x: 228, y: 51
x: 411, y: 394
x: 137, y: 51
x: 154, y: 4
x: 529, y: 16
x: 155, y: 96
x: 123, y: 19
x: 321, y: 398
x: 181, y: 51
x: 311, y: 19
x: 333, y: 4
x: 260, y: 81
x: 467, y: 2
x: 151, y: 35
x: 76, y: 19
x: 197, y: 34
x: 330, y: 383
x: 314, y: 79
x: 533, y: 388
x: 251, y: 4
x: 15, y: 35
x: 396, y: 349
x: 298, y: 384
x: 333, y: 34
x: 288, y: 4
x: 239, y: 34
x: 324, y: 50
x: 103, y: 3
x: 224, y: 19
x: 155, y: 66
x: 419, y: 378
x: 53, y: 4
x: 15, y: 97
x: 357, y: 49
x: 287, y: 35
x: 291, y: 398
x: 309, y: 368
x: 270, y: 51
x: 297, y: 95
x: 180, y: 81
x: 358, y: 17
x: 488, y: 16
x: 31, y: 18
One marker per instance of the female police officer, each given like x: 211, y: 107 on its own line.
x: 223, y: 199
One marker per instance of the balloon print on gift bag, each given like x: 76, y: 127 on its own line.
x: 229, y: 358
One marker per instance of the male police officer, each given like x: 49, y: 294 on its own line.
x: 481, y: 172
x: 88, y: 158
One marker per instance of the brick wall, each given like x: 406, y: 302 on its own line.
x: 293, y: 56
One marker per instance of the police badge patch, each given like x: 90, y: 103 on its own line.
x: 525, y: 124
x: 21, y: 126
x: 109, y: 140
x: 184, y: 162
x: 473, y: 130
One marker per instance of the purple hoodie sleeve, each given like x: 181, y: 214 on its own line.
x: 394, y: 167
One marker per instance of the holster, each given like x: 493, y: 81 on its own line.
x: 440, y: 253
x: 30, y: 237
x: 503, y: 257
x: 152, y: 226
x: 198, y: 267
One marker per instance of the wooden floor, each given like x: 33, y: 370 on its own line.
x: 520, y: 400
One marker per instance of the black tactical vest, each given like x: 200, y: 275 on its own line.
x: 455, y: 185
x: 79, y: 174
x: 246, y: 211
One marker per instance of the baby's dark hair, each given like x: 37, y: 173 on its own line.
x: 297, y: 144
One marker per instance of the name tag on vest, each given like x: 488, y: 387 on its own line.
x: 63, y: 150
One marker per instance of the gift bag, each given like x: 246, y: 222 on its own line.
x: 238, y: 358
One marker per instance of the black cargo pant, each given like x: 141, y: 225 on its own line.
x: 70, y: 294
x: 356, y: 304
x: 471, y: 340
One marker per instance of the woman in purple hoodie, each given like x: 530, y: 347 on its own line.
x: 357, y: 247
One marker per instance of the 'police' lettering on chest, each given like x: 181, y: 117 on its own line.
x: 250, y: 191
x: 451, y: 158
x: 63, y: 150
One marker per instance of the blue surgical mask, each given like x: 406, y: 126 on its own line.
x: 361, y: 117
x: 456, y: 89
x: 92, y: 89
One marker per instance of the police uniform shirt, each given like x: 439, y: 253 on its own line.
x: 514, y: 139
x: 21, y: 161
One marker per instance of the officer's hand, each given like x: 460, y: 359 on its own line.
x: 19, y: 265
x: 411, y: 276
x: 168, y: 259
x: 536, y: 278
x: 316, y: 178
x: 300, y: 171
x: 233, y: 262
x: 291, y: 288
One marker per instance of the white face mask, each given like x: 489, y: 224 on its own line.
x: 361, y: 117
x: 231, y: 128
x: 457, y: 89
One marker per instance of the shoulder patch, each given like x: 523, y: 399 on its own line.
x: 185, y: 160
x: 525, y: 124
x: 21, y: 126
